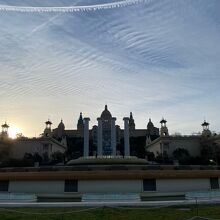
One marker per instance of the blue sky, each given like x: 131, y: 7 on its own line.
x: 160, y: 58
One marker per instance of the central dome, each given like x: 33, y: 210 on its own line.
x: 106, y: 113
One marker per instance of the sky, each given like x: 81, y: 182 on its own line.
x: 156, y: 58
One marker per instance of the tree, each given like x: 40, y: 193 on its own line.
x: 5, y: 149
x: 210, y: 152
x: 45, y: 157
x: 20, y: 136
x: 28, y: 156
x: 150, y: 156
x: 137, y: 146
x: 182, y: 155
x: 75, y: 147
x: 37, y: 158
x: 57, y: 157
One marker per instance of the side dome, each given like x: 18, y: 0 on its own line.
x: 61, y: 125
x: 150, y: 124
x: 61, y: 129
x: 106, y: 113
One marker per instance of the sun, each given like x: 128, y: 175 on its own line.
x: 13, y: 131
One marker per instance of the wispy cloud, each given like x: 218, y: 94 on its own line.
x: 156, y: 59
x: 43, y: 25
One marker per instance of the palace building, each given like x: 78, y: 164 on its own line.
x: 106, y: 138
x: 108, y: 162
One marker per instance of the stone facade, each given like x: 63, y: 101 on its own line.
x: 196, y: 145
x: 166, y: 145
x: 106, y: 138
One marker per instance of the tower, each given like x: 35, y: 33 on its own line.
x: 131, y: 122
x: 4, y: 133
x: 163, y: 129
x: 104, y: 130
x: 206, y: 132
x: 47, y: 130
x: 80, y: 123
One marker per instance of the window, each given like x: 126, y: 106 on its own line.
x: 71, y: 186
x: 4, y: 186
x: 214, y: 184
x: 149, y: 185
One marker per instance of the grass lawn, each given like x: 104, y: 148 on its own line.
x: 171, y: 213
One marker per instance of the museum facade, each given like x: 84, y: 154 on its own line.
x: 106, y: 138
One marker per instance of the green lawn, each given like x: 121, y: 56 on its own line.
x: 170, y: 213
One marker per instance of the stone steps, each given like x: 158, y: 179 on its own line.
x: 113, y: 197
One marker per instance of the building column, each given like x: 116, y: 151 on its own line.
x: 126, y: 137
x: 113, y: 136
x: 99, y: 145
x: 86, y: 137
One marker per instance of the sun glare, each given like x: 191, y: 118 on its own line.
x: 13, y: 131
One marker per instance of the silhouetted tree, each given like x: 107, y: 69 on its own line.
x: 57, y: 157
x: 180, y: 153
x: 150, y: 156
x: 75, y: 148
x: 137, y: 146
x: 45, y: 157
x: 28, y: 156
x: 37, y: 158
x: 5, y: 148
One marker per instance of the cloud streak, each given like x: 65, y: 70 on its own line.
x: 155, y: 59
x: 43, y: 25
x: 67, y: 9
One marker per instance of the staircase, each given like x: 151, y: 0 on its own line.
x: 111, y: 197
